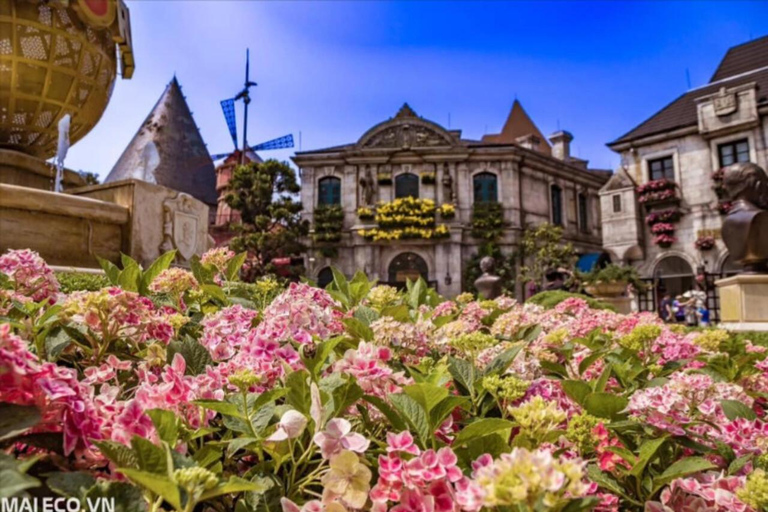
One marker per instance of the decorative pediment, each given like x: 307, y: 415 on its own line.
x: 405, y: 131
x: 728, y: 109
x: 619, y: 181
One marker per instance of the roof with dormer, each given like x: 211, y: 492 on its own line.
x: 519, y: 125
x: 168, y: 150
x: 742, y: 64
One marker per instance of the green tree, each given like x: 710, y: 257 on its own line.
x: 271, y: 225
x: 542, y: 249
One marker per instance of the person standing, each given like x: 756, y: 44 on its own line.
x: 665, y: 308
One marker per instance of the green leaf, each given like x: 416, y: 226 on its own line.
x: 480, y: 428
x: 161, y: 263
x: 588, y: 361
x: 195, y: 355
x: 167, y: 425
x: 577, y: 390
x: 126, y: 497
x: 71, y: 484
x: 110, y: 269
x: 13, y: 482
x: 345, y: 396
x: 119, y: 454
x: 493, y: 444
x: 150, y: 457
x: 602, y: 381
x: 605, y: 405
x: 56, y: 341
x: 323, y: 350
x: 737, y: 464
x: 15, y: 419
x: 646, y: 454
x: 441, y: 411
x: 221, y: 407
x: 157, y: 484
x: 366, y: 315
x: 215, y: 291
x: 234, y: 265
x: 399, y: 312
x: 427, y: 395
x: 130, y: 277
x: 298, y: 391
x: 734, y: 409
x: 683, y: 468
x: 501, y: 362
x: 233, y: 485
x: 463, y: 373
x: 414, y: 415
x: 357, y: 329
x: 238, y: 444
x: 203, y: 273
x: 394, y: 418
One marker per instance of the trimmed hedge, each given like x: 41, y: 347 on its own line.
x: 550, y: 299
x: 81, y: 281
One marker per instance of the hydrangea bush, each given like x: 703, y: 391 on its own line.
x: 175, y: 390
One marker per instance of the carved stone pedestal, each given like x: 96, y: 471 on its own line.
x: 622, y: 305
x: 744, y: 302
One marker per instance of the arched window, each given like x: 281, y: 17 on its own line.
x: 329, y: 190
x: 557, y: 205
x: 674, y: 276
x: 486, y: 187
x: 407, y: 265
x: 583, y: 213
x: 324, y: 277
x: 407, y: 185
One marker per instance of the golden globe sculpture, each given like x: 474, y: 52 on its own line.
x: 58, y: 57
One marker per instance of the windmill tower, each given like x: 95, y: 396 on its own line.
x: 241, y: 154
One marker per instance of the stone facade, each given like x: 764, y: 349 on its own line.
x: 408, y: 144
x: 696, y: 133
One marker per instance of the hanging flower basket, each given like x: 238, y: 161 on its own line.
x: 670, y: 215
x: 664, y: 241
x: 428, y: 178
x: 705, y: 243
x: 384, y: 178
x: 663, y: 228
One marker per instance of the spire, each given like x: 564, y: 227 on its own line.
x: 168, y: 150
x: 519, y: 126
x: 405, y: 111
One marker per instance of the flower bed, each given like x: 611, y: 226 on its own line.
x: 404, y: 218
x: 169, y: 393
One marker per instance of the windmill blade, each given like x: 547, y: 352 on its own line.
x: 286, y: 141
x: 220, y: 156
x: 228, y: 106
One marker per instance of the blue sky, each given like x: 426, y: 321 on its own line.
x: 333, y: 69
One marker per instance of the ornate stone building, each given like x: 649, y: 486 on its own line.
x: 663, y: 210
x: 409, y: 156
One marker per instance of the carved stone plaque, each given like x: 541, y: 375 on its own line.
x: 185, y: 233
x: 724, y: 103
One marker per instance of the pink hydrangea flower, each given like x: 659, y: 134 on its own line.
x: 338, y: 436
x: 30, y: 275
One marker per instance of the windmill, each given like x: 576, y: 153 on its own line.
x: 228, y: 107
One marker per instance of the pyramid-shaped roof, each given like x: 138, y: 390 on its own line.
x: 168, y: 150
x: 518, y: 125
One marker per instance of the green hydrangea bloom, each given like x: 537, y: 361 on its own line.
x: 755, y: 491
x: 579, y: 432
x: 537, y: 417
x: 473, y: 343
x: 640, y: 337
x: 507, y: 388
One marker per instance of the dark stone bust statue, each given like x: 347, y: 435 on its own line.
x: 488, y: 284
x: 745, y: 229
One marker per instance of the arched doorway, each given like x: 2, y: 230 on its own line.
x: 673, y: 275
x: 324, y: 277
x: 407, y: 265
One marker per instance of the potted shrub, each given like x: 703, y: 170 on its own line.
x: 611, y: 280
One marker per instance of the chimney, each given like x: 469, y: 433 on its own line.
x: 561, y: 145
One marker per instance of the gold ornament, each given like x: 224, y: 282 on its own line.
x: 56, y: 58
